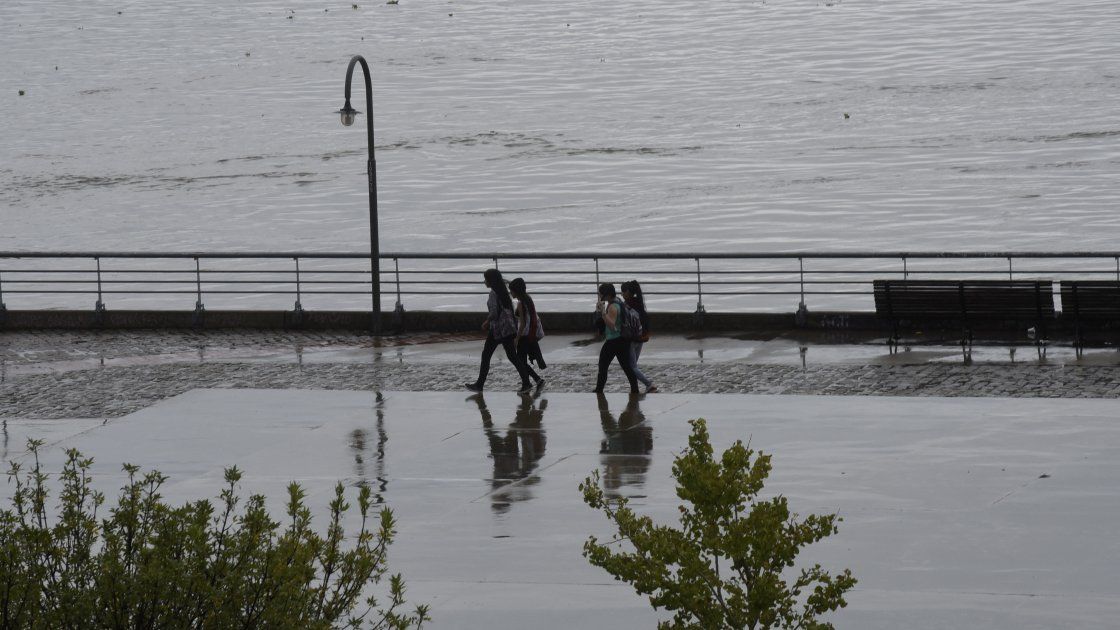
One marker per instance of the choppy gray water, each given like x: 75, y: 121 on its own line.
x: 626, y: 125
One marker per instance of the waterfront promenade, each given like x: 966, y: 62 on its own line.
x: 973, y: 494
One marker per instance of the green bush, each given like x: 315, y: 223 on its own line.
x: 727, y: 566
x: 153, y: 565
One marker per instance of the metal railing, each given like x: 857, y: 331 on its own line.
x: 697, y: 282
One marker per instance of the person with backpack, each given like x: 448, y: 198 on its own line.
x: 501, y: 329
x: 632, y: 296
x: 529, y: 330
x: 616, y: 346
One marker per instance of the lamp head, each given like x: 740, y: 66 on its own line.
x: 348, y: 114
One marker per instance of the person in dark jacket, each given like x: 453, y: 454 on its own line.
x: 529, y: 329
x: 501, y: 329
x: 632, y: 295
x: 615, y: 347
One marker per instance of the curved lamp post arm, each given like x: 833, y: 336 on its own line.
x: 348, y: 113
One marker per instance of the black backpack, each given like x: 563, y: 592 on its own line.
x: 630, y: 323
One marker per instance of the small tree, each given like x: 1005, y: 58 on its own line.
x: 728, y: 564
x: 152, y: 565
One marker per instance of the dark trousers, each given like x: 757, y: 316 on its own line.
x: 530, y: 350
x: 488, y: 351
x: 617, y: 348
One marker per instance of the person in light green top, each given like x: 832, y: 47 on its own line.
x: 614, y: 347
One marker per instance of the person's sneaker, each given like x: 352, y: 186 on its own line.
x: 474, y: 387
x: 652, y: 389
x: 540, y: 383
x: 525, y: 388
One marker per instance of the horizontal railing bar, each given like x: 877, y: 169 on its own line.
x: 405, y: 283
x: 474, y: 293
x: 192, y: 272
x: 565, y: 255
x: 541, y: 283
x: 685, y: 270
x: 689, y: 270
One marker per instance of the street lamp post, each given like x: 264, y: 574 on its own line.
x: 348, y: 114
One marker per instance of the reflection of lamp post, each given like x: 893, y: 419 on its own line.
x: 348, y: 114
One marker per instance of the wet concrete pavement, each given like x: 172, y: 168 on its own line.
x: 958, y: 512
x: 975, y: 494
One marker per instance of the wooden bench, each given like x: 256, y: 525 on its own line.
x: 1092, y: 304
x: 968, y: 303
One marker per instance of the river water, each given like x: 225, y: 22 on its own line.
x: 562, y: 126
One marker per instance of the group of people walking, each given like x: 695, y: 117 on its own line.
x: 623, y: 322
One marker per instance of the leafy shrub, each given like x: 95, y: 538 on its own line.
x: 153, y: 565
x: 727, y: 566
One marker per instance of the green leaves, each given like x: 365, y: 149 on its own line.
x: 149, y: 564
x: 728, y: 563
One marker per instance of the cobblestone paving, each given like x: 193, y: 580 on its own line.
x: 90, y: 391
x: 22, y: 347
x: 112, y: 392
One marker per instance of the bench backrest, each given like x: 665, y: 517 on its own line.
x: 956, y: 299
x: 1091, y: 298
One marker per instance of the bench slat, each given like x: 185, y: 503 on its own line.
x: 1091, y: 298
x: 964, y: 299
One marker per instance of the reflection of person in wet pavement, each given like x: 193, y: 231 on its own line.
x: 516, y: 452
x: 626, y: 446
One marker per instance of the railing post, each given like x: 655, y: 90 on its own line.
x: 1010, y: 274
x: 699, y: 289
x: 801, y: 318
x: 297, y: 312
x: 595, y: 289
x: 905, y: 269
x: 398, y: 310
x: 99, y: 307
x: 698, y: 316
x: 199, y: 309
x: 3, y: 308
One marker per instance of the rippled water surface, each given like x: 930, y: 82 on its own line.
x: 561, y: 126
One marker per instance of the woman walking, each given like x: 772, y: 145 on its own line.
x: 501, y: 330
x: 615, y: 347
x: 632, y: 294
x: 529, y: 330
